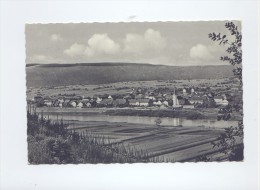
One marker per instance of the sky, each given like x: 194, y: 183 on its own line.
x: 162, y: 43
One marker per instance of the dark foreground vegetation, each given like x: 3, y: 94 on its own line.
x: 50, y: 142
x: 227, y: 140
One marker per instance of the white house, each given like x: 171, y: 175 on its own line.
x: 80, y: 105
x: 48, y: 103
x: 220, y: 100
x: 151, y: 97
x: 73, y: 104
x: 144, y: 102
x: 88, y: 104
x: 188, y: 106
x: 157, y: 103
x: 196, y: 100
x: 98, y: 100
x: 61, y: 100
x: 133, y: 102
x: 166, y: 103
x: 184, y: 91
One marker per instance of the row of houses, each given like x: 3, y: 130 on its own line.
x: 140, y: 101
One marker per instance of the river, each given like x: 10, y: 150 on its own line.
x: 166, y: 121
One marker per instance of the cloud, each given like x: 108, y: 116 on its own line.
x: 56, y: 37
x: 151, y: 41
x: 98, y: 44
x: 201, y: 52
x: 75, y: 50
x: 101, y: 44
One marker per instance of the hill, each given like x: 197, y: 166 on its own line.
x: 38, y: 75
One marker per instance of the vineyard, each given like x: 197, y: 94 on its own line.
x: 51, y: 142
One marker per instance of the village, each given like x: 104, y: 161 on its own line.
x: 177, y: 98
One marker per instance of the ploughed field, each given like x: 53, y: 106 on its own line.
x: 174, y: 144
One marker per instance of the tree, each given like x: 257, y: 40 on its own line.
x: 234, y: 48
x: 227, y: 142
x: 158, y: 122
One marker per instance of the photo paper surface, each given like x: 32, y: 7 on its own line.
x: 134, y: 92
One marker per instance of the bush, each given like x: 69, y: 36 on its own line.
x: 48, y: 150
x: 237, y: 153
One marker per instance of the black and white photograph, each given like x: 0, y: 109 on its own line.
x: 135, y: 92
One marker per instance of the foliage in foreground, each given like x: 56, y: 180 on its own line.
x: 228, y: 140
x: 51, y: 143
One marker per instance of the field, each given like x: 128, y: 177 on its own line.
x: 176, y: 144
x: 127, y: 87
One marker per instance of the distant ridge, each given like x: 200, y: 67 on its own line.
x: 40, y: 75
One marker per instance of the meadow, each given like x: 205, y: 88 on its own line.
x: 126, y: 87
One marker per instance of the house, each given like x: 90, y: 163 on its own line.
x: 144, y: 102
x: 181, y: 101
x: 220, y: 100
x: 80, y: 105
x: 119, y: 103
x: 66, y: 103
x: 48, y: 103
x: 88, y: 104
x: 86, y: 99
x: 73, y: 104
x: 133, y: 102
x: 105, y: 102
x: 93, y: 103
x: 37, y: 98
x: 157, y: 103
x: 163, y: 106
x: 60, y: 100
x: 188, y: 106
x: 196, y: 100
x: 168, y: 97
x: 151, y: 98
x: 184, y: 92
x: 98, y: 100
x: 56, y: 103
x: 110, y: 97
x: 166, y: 103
